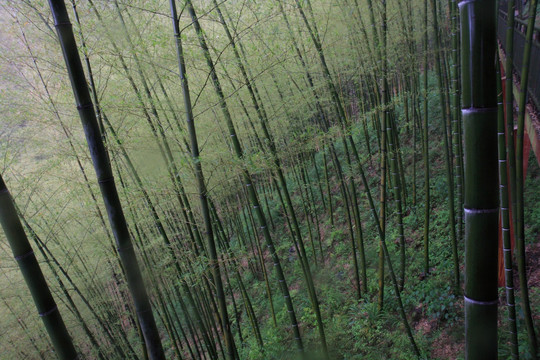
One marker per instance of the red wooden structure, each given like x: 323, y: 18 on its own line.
x: 531, y: 139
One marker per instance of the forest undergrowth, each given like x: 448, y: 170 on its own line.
x: 357, y: 329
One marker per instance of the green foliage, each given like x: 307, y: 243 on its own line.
x: 50, y: 188
x: 532, y: 199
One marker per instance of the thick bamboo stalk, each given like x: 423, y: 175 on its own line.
x: 479, y: 111
x: 33, y: 276
x: 106, y: 180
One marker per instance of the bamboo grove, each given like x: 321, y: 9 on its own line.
x: 299, y: 179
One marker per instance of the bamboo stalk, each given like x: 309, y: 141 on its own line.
x: 201, y: 186
x: 505, y: 224
x: 509, y: 88
x: 520, y: 183
x: 479, y: 111
x: 33, y: 276
x: 247, y: 178
x: 106, y: 180
x: 427, y: 205
x: 447, y: 148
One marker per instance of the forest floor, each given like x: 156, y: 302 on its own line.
x: 356, y: 330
